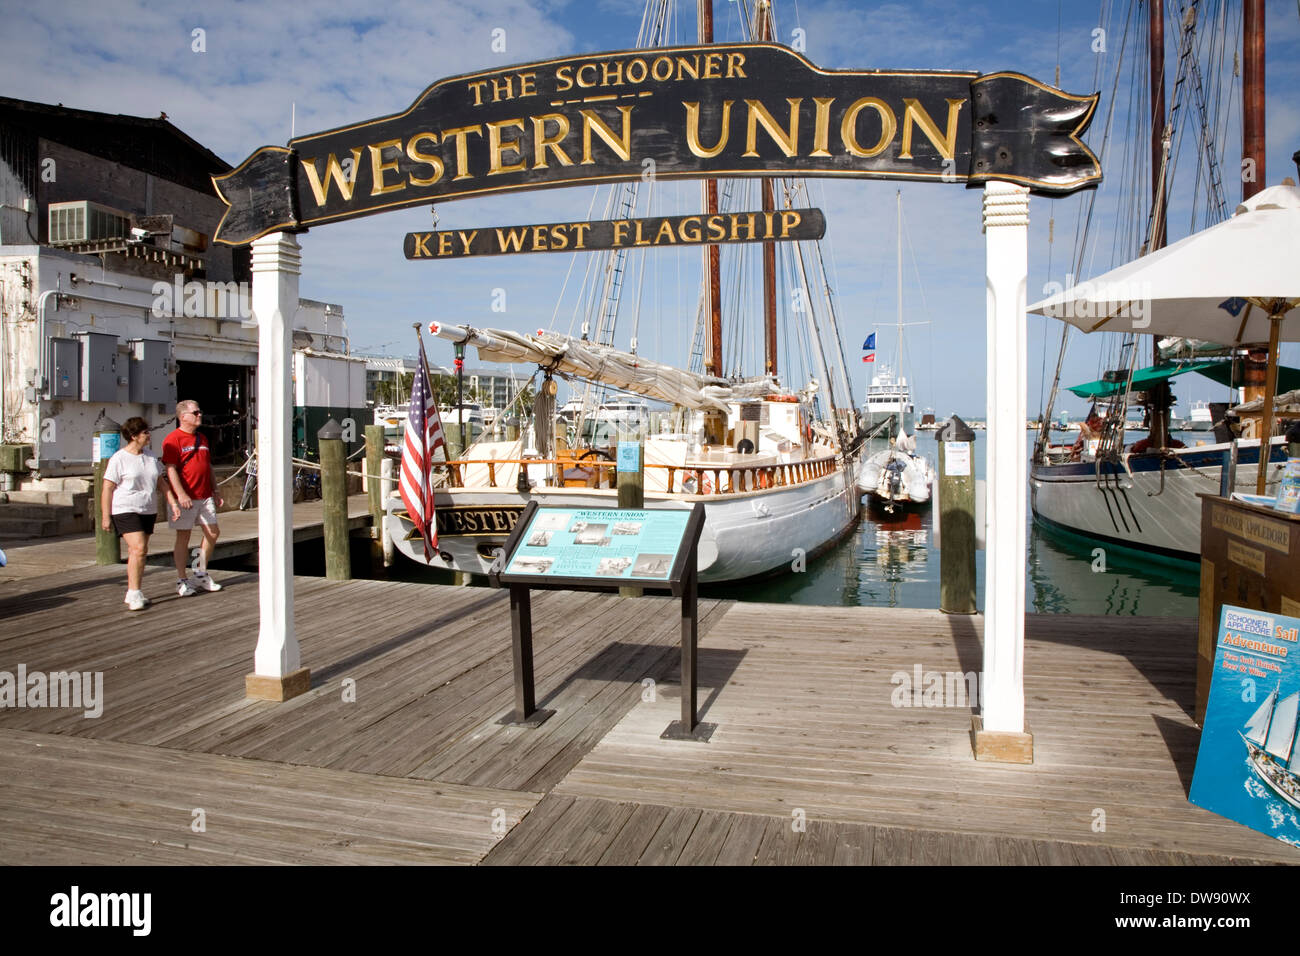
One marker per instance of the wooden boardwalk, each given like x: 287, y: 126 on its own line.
x: 38, y: 557
x: 395, y: 755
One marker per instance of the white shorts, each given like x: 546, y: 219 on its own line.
x: 203, y: 510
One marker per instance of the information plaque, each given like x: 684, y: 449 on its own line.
x: 612, y: 546
x: 585, y: 549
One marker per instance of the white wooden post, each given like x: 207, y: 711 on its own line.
x: 1000, y: 732
x: 277, y: 670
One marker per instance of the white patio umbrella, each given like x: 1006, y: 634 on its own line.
x: 1235, y: 283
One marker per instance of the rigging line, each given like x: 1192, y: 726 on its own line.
x: 1082, y: 238
x: 640, y: 285
x: 573, y: 259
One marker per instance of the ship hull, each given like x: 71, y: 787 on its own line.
x: 745, y: 535
x: 875, y: 418
x: 1127, y: 506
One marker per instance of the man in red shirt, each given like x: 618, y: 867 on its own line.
x: 186, y: 454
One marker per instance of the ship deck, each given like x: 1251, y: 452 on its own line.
x: 395, y: 754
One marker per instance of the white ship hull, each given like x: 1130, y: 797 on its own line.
x: 1126, y: 506
x: 875, y: 416
x: 746, y: 534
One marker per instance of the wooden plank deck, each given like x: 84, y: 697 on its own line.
x: 807, y: 721
x: 76, y: 800
x: 811, y: 762
x: 39, y: 557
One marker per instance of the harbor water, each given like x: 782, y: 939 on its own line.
x: 893, y: 563
x: 889, y: 563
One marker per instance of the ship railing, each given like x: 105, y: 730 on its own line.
x: 691, y: 479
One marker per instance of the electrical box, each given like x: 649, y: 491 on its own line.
x: 65, y: 368
x: 98, y: 366
x: 149, y: 380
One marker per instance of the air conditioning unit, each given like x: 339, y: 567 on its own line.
x: 72, y: 223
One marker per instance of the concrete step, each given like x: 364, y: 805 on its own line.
x: 77, y: 500
x: 69, y: 485
x: 49, y: 519
x: 11, y: 528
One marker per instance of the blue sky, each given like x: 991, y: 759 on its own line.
x: 327, y: 64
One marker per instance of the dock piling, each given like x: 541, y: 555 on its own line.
x: 107, y: 440
x: 334, y: 495
x: 374, y: 467
x: 631, y: 489
x: 956, y: 517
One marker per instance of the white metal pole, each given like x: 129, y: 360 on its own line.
x: 1006, y: 230
x: 277, y: 263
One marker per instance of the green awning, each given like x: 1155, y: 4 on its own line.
x: 1287, y: 378
x: 1143, y: 379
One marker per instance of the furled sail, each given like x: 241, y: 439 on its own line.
x: 1257, y: 726
x: 610, y: 366
x: 1282, y: 734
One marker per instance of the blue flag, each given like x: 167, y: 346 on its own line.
x: 870, y: 343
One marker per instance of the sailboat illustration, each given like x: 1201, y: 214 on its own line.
x: 1271, y: 741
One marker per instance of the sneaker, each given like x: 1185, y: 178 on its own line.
x: 203, y: 581
x: 185, y: 588
x: 136, y: 601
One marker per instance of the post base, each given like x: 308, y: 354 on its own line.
x: 677, y: 731
x: 1000, y: 746
x: 279, y: 689
x: 535, y: 719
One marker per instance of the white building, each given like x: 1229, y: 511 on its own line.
x: 113, y: 301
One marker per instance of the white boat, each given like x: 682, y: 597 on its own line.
x: 889, y: 400
x: 897, y: 478
x: 1144, y: 495
x: 470, y: 413
x: 775, y: 469
x: 1146, y: 502
x: 1199, y: 419
x: 1270, y: 740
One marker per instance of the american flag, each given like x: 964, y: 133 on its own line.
x: 423, y: 438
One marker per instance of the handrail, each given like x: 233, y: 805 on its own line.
x: 710, y: 479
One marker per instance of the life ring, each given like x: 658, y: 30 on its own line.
x: 706, y: 483
x: 764, y: 481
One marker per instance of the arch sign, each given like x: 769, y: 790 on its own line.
x: 742, y: 110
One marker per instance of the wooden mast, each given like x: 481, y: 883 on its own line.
x: 1252, y: 94
x: 1260, y: 376
x: 1160, y: 397
x: 1159, y: 233
x: 713, y: 358
x: 769, y: 206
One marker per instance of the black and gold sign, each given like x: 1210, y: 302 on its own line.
x: 783, y: 225
x: 684, y: 112
x: 476, y: 521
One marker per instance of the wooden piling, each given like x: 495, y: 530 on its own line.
x: 108, y: 546
x: 631, y: 489
x: 334, y: 496
x: 957, y: 518
x: 374, y: 467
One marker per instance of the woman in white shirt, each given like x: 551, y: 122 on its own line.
x: 129, y: 504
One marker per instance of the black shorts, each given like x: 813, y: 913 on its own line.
x: 130, y: 521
